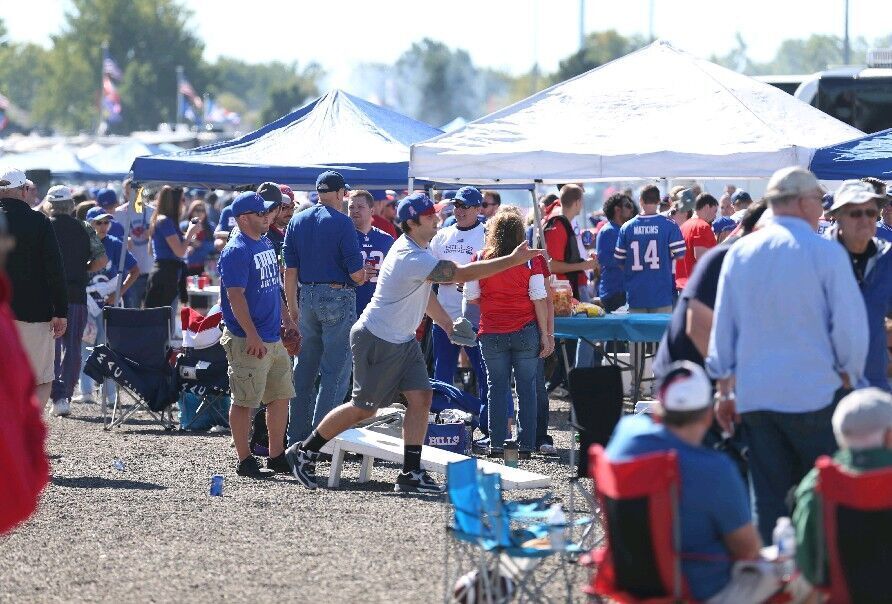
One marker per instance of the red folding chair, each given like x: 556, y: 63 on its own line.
x: 641, y: 562
x: 857, y: 517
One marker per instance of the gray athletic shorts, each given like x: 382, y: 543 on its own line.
x: 381, y: 369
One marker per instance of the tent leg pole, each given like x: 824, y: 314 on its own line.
x: 537, y: 221
x: 411, y: 184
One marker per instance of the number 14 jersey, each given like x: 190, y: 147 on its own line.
x: 646, y: 247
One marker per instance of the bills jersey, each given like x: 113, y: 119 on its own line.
x: 374, y: 246
x: 459, y: 246
x: 645, y: 248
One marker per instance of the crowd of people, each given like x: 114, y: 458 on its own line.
x: 781, y: 301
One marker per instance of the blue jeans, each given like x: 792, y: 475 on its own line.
x: 542, y: 408
x: 326, y: 316
x: 87, y: 384
x: 504, y: 352
x: 134, y: 296
x: 446, y: 360
x: 783, y: 448
x: 67, y: 364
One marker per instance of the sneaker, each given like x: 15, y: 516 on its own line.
x: 279, y: 464
x: 61, y: 407
x: 547, y: 449
x: 86, y: 399
x: 303, y: 465
x: 250, y: 468
x: 417, y: 481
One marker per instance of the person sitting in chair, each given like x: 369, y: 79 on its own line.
x: 714, y: 514
x: 862, y: 424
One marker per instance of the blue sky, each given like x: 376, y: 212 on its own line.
x: 510, y: 35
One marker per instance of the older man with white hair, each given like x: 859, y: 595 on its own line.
x: 789, y: 339
x: 862, y: 424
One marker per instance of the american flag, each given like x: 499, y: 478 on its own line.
x: 4, y: 105
x: 109, y: 67
x: 189, y: 92
x: 111, y: 100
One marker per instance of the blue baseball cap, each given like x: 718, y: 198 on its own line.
x: 827, y: 201
x: 250, y: 201
x: 413, y: 206
x: 450, y: 194
x: 330, y: 181
x: 382, y: 195
x: 740, y: 196
x: 97, y: 213
x: 469, y: 196
x: 106, y: 197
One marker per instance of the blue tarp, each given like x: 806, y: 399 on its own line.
x: 870, y: 155
x: 368, y: 144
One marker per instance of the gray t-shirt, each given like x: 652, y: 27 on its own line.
x: 139, y: 234
x: 402, y: 293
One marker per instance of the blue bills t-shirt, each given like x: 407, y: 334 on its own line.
x: 252, y: 265
x: 373, y: 248
x: 113, y: 247
x: 227, y: 220
x: 612, y: 281
x: 163, y: 228
x: 645, y: 247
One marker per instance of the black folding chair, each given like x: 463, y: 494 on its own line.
x: 203, y: 373
x: 597, y: 397
x: 135, y: 359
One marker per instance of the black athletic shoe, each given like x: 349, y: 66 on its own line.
x: 279, y: 464
x: 417, y: 481
x: 303, y: 465
x: 250, y: 468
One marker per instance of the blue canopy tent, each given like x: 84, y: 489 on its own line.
x: 62, y: 162
x: 115, y: 161
x: 368, y: 144
x: 869, y: 155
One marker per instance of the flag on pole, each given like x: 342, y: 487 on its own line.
x: 4, y: 105
x: 109, y: 67
x: 187, y: 91
x: 111, y: 101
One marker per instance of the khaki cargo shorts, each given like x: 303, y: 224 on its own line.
x: 256, y: 381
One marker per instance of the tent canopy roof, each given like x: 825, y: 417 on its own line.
x: 869, y: 155
x: 658, y: 112
x: 62, y: 161
x: 367, y: 143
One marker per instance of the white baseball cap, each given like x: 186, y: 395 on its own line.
x: 58, y: 193
x: 855, y: 191
x: 12, y: 178
x: 685, y: 387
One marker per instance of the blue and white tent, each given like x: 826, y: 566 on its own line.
x: 869, y: 155
x: 114, y: 162
x: 368, y: 144
x: 61, y: 160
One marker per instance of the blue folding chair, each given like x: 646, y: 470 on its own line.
x: 500, y: 539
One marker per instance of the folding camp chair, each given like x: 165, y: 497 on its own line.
x: 494, y: 537
x: 857, y: 531
x: 641, y: 561
x: 202, y: 372
x: 135, y: 359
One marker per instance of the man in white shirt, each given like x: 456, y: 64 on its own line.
x: 458, y: 243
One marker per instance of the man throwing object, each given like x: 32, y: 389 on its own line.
x: 386, y: 356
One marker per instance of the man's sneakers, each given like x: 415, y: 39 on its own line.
x: 303, y: 464
x: 417, y: 481
x: 279, y: 464
x: 61, y: 407
x: 250, y: 468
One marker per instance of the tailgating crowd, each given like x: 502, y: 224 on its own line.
x: 782, y: 301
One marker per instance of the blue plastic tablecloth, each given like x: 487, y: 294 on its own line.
x: 625, y: 327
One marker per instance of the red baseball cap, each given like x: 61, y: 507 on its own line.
x: 287, y: 192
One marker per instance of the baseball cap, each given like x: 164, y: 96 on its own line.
x: 330, y: 181
x: 862, y: 414
x: 684, y: 200
x: 12, y: 178
x: 685, y: 387
x: 855, y: 191
x: 313, y: 197
x: 58, y: 193
x: 106, y: 197
x: 97, y: 213
x: 450, y: 194
x: 383, y: 195
x: 413, y: 206
x: 827, y: 201
x: 249, y: 201
x: 270, y: 192
x: 740, y: 196
x: 791, y: 181
x: 469, y: 196
x: 287, y: 192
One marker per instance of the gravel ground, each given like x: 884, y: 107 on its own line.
x: 152, y: 533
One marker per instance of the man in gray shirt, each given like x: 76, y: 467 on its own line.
x: 386, y: 356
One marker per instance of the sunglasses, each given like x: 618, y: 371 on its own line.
x: 869, y: 212
x: 464, y: 206
x: 262, y: 213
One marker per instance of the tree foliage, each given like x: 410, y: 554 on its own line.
x: 294, y: 92
x: 600, y: 47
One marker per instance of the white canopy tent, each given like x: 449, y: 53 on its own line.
x: 656, y: 113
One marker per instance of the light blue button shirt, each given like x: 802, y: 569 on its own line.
x: 789, y: 318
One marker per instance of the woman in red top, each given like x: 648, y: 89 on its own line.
x: 513, y: 330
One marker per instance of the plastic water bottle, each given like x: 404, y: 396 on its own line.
x: 784, y: 539
x: 118, y: 465
x: 557, y: 529
x: 511, y: 454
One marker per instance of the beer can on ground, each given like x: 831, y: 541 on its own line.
x: 217, y: 485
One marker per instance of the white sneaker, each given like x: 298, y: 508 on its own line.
x: 61, y: 407
x: 83, y: 398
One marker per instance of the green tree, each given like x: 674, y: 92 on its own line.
x: 600, y: 48
x: 148, y: 40
x: 287, y: 97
